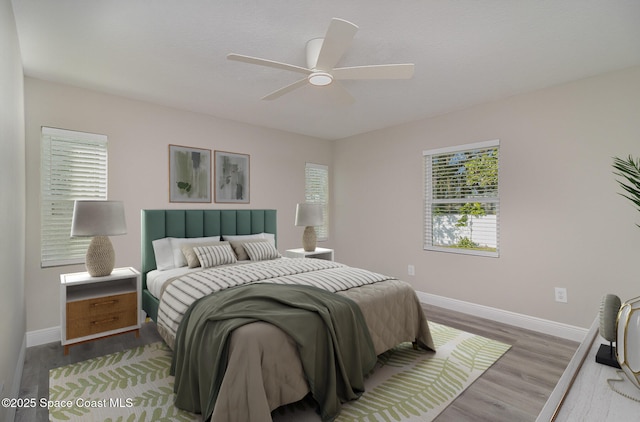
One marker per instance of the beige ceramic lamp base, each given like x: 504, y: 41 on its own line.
x: 309, y: 239
x: 100, y: 257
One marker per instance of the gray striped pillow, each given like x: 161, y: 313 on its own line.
x: 214, y: 255
x: 261, y: 251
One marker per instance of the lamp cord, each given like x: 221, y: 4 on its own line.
x: 610, y: 381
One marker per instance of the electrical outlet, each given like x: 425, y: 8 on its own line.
x: 411, y: 270
x: 561, y: 294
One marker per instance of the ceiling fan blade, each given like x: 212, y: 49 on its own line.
x: 268, y: 63
x: 340, y: 95
x: 286, y: 89
x: 382, y: 71
x: 336, y: 41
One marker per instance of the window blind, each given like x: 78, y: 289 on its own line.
x: 73, y: 166
x: 462, y: 203
x: 317, y: 192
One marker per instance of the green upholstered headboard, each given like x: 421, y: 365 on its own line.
x: 157, y: 224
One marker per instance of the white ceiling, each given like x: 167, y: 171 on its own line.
x: 466, y: 52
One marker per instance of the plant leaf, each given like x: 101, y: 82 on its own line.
x: 628, y: 169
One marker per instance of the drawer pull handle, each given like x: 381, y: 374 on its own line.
x: 106, y: 302
x: 104, y: 321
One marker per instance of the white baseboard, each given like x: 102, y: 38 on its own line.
x: 44, y: 336
x: 540, y: 325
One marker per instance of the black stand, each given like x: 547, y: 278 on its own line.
x: 607, y: 355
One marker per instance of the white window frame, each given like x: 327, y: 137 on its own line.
x: 73, y: 165
x: 316, y: 191
x: 429, y: 201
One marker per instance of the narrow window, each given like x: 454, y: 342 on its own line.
x: 461, y: 199
x: 73, y: 166
x: 316, y: 191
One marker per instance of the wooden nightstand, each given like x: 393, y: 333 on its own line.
x: 319, y: 253
x: 95, y: 307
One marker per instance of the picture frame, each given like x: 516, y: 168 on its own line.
x: 232, y: 177
x: 189, y: 174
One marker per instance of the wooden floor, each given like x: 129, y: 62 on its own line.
x: 517, y: 386
x: 40, y: 359
x: 514, y: 389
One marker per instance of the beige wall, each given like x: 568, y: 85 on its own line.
x: 139, y: 134
x: 562, y: 222
x: 12, y: 208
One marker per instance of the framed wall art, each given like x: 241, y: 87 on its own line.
x: 189, y: 174
x: 231, y: 177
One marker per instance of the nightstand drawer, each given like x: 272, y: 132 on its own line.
x: 101, y: 314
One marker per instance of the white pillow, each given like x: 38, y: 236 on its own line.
x: 261, y: 251
x: 269, y: 236
x: 179, y: 259
x: 163, y: 253
x: 214, y: 255
x: 242, y: 236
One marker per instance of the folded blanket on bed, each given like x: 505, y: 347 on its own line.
x: 333, y: 340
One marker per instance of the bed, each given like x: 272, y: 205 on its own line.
x: 263, y: 368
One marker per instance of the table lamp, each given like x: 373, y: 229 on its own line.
x: 99, y: 219
x: 309, y: 216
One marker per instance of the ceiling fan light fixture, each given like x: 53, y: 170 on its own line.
x: 320, y: 78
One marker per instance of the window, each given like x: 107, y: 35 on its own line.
x: 316, y: 191
x: 73, y: 166
x: 461, y: 199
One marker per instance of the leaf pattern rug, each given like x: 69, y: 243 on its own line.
x: 406, y: 385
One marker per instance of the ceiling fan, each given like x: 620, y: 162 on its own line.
x: 322, y: 55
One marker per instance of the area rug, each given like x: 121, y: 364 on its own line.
x: 406, y: 385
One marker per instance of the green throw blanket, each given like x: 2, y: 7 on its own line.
x: 333, y: 341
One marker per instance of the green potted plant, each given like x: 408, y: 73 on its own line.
x: 629, y: 169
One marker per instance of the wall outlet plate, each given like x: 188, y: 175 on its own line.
x: 561, y: 294
x: 411, y: 270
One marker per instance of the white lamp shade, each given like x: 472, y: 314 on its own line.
x: 308, y: 214
x: 98, y: 218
